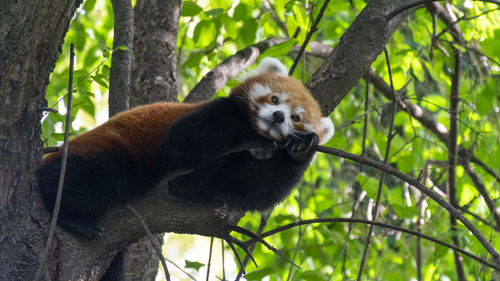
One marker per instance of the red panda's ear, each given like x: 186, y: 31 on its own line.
x: 327, y: 130
x: 271, y: 65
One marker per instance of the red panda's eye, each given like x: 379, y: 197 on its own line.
x: 275, y: 99
x: 295, y: 118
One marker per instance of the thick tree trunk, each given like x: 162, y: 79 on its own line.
x: 155, y: 48
x: 31, y: 35
x: 154, y: 71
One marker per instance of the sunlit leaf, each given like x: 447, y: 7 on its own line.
x: 190, y: 8
x: 193, y: 264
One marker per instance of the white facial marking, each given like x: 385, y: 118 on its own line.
x: 328, y: 129
x: 299, y: 110
x: 266, y: 123
x: 310, y: 128
x: 258, y: 90
x: 283, y: 97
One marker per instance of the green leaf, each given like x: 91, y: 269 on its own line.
x: 190, y: 8
x: 280, y: 49
x: 193, y: 60
x: 259, y: 274
x: 100, y: 81
x: 58, y: 136
x: 123, y: 48
x: 106, y: 53
x: 89, y: 5
x: 312, y: 275
x: 204, y: 33
x: 193, y: 264
x: 369, y: 184
x: 486, y: 100
x: 241, y: 12
x: 215, y: 12
x: 105, y: 70
x: 280, y: 219
x: 405, y: 212
x: 249, y: 30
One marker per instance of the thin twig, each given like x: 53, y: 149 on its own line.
x: 481, y: 164
x: 180, y: 268
x: 369, y: 222
x: 308, y: 36
x: 462, y: 19
x: 229, y: 241
x: 477, y: 217
x: 248, y: 233
x: 396, y: 12
x: 452, y: 159
x: 62, y: 172
x: 481, y: 188
x: 210, y: 256
x: 420, y: 221
x: 156, y: 245
x: 382, y: 177
x: 264, y: 217
x: 416, y: 184
x: 223, y: 261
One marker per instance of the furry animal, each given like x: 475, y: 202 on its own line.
x: 125, y: 157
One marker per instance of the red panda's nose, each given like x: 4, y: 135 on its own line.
x: 278, y: 117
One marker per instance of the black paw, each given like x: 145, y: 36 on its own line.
x: 300, y: 142
x: 84, y: 226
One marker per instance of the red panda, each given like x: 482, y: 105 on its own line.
x: 125, y: 157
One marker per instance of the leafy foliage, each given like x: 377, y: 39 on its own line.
x: 211, y: 31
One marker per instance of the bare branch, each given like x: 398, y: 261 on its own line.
x: 481, y: 188
x: 210, y: 257
x: 313, y: 29
x: 152, y: 239
x: 358, y: 48
x: 215, y: 79
x: 62, y: 172
x: 425, y: 118
x: 263, y: 222
x: 416, y: 184
x: 353, y: 220
x: 452, y: 159
x: 382, y: 177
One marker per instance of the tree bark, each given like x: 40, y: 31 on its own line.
x: 155, y: 47
x: 154, y: 72
x: 31, y: 36
x: 121, y: 60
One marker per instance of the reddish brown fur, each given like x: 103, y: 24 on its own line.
x: 137, y: 131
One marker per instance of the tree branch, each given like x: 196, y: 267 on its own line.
x: 62, y: 172
x: 313, y: 29
x: 390, y: 136
x: 452, y: 159
x: 416, y: 184
x: 439, y: 130
x: 397, y: 228
x: 357, y: 49
x: 215, y: 79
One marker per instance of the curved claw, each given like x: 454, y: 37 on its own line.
x: 300, y: 142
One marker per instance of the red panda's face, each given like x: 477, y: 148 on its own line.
x: 281, y: 106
